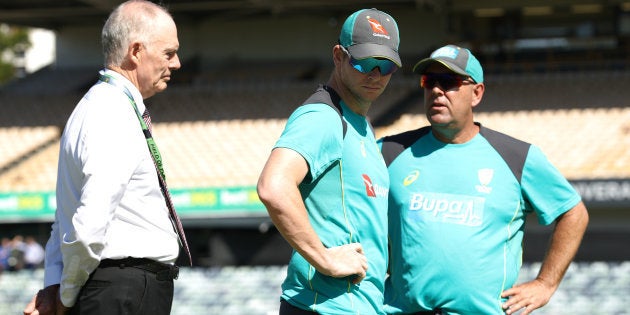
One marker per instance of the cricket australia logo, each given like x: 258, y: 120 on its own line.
x: 485, y: 177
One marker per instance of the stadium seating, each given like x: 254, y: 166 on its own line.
x: 219, y: 129
x: 16, y: 141
x: 232, y: 152
x: 53, y: 81
x: 588, y: 288
x: 583, y: 143
x: 37, y: 173
x: 217, y: 153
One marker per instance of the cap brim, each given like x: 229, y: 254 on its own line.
x: 423, y: 64
x: 369, y: 50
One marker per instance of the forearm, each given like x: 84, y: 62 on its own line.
x: 563, y: 246
x: 288, y: 213
x: 278, y: 190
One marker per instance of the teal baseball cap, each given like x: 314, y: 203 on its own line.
x: 457, y: 59
x: 370, y: 33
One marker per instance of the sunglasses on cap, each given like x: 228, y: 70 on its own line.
x: 447, y: 81
x: 385, y: 66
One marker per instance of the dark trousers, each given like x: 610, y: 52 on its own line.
x: 124, y: 290
x: 288, y: 309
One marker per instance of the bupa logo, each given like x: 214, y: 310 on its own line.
x: 377, y: 28
x: 373, y: 190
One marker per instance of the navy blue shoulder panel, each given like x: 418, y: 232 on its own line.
x: 513, y: 151
x: 392, y: 146
x: 326, y: 95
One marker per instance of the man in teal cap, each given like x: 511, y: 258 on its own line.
x: 459, y: 197
x: 325, y: 183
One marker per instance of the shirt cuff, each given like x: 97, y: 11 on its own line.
x: 69, y: 294
x: 52, y: 275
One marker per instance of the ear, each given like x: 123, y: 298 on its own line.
x: 134, y: 53
x: 338, y: 55
x: 478, y: 94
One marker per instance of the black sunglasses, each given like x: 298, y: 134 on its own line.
x: 447, y: 81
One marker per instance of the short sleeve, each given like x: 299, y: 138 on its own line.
x: 315, y: 132
x: 545, y: 189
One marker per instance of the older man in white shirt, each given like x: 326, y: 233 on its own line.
x: 113, y: 242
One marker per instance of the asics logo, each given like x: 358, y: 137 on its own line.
x: 411, y: 177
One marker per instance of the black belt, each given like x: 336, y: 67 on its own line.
x: 163, y: 271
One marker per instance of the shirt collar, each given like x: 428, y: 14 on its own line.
x: 135, y: 93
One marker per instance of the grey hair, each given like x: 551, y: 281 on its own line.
x: 131, y: 21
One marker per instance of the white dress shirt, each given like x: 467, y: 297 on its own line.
x: 109, y: 202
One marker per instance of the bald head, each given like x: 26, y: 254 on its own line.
x: 132, y: 21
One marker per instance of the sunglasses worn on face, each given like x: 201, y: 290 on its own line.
x: 385, y: 66
x: 447, y: 81
x: 366, y: 65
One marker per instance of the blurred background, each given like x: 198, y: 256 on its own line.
x: 557, y: 74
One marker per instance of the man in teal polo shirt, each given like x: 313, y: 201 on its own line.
x: 325, y: 183
x: 459, y: 197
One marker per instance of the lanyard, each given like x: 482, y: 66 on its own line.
x: 155, y: 153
